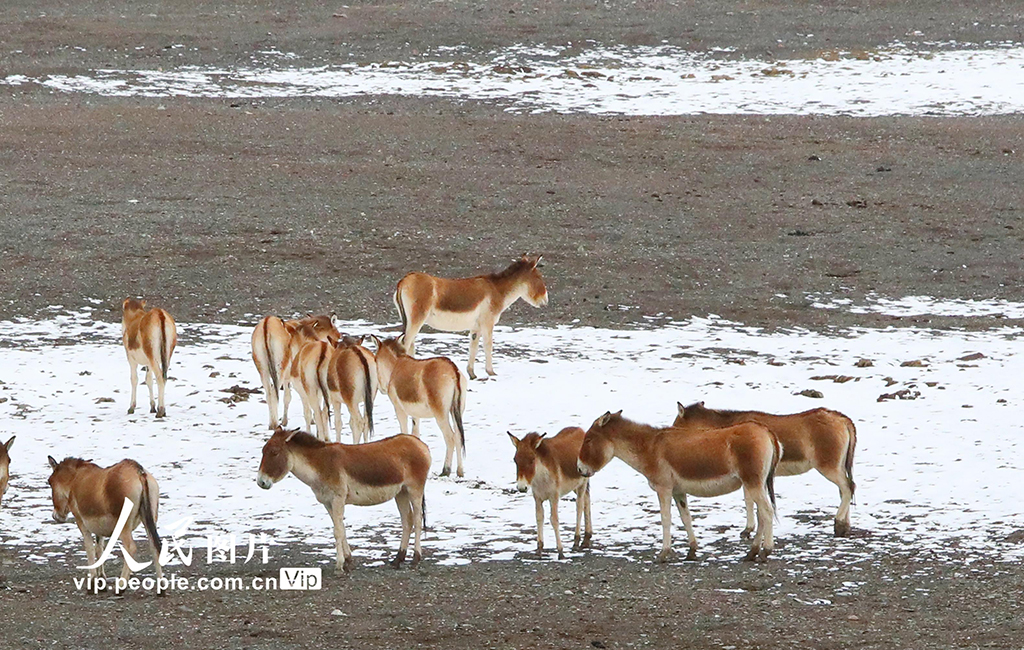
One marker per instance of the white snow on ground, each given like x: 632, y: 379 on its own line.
x: 622, y: 80
x: 933, y: 473
x: 922, y: 306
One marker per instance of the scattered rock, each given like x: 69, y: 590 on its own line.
x: 214, y: 374
x: 889, y: 381
x: 1016, y: 537
x: 83, y: 373
x: 864, y: 363
x: 104, y: 400
x: 598, y: 644
x: 775, y: 362
x: 906, y: 393
x: 814, y: 158
x: 972, y: 357
x: 338, y: 612
x: 966, y: 406
x: 810, y: 392
x: 857, y: 203
x: 931, y: 384
x: 916, y: 363
x: 799, y: 233
x: 883, y: 168
x: 816, y: 202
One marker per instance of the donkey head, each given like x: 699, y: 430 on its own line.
x: 536, y: 292
x: 276, y: 461
x: 60, y: 482
x: 526, y: 458
x: 598, y: 449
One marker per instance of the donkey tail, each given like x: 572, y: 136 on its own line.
x: 324, y: 393
x: 401, y: 306
x: 458, y: 404
x: 851, y: 429
x: 368, y: 392
x: 770, y: 479
x: 165, y: 354
x: 275, y: 381
x: 146, y: 502
x: 423, y: 508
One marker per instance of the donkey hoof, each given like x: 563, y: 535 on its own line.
x: 348, y: 565
x: 397, y: 562
x: 842, y: 528
x: 561, y: 555
x: 490, y: 372
x: 691, y: 555
x: 416, y: 558
x: 161, y: 413
x: 131, y: 410
x: 752, y: 555
x: 763, y: 555
x: 445, y: 471
x: 460, y: 473
x: 747, y: 532
x: 152, y: 408
x: 664, y: 556
x: 472, y: 375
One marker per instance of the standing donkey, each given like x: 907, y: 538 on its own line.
x: 149, y: 338
x: 274, y: 343
x: 706, y: 464
x: 351, y: 379
x: 425, y: 388
x: 96, y: 495
x: 5, y: 467
x: 359, y: 475
x: 548, y: 465
x: 474, y: 304
x: 817, y: 439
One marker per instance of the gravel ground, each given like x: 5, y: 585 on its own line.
x: 222, y: 212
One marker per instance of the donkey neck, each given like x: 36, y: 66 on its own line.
x: 510, y: 288
x: 632, y: 444
x: 304, y: 467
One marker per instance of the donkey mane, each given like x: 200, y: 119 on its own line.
x: 513, y: 269
x: 307, y: 440
x: 74, y: 462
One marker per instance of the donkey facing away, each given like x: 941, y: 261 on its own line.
x: 96, y: 495
x: 474, y: 304
x: 705, y: 464
x: 548, y: 466
x: 817, y: 439
x: 149, y: 338
x: 425, y: 388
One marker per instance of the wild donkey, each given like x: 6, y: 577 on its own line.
x: 425, y: 388
x: 818, y: 439
x: 274, y: 343
x: 96, y: 495
x: 360, y: 475
x: 149, y: 339
x: 474, y: 304
x: 548, y: 465
x: 706, y: 464
x: 351, y: 379
x: 5, y: 466
x: 307, y: 374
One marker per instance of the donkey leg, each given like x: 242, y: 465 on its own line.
x: 554, y: 525
x: 452, y: 443
x: 665, y: 503
x: 684, y: 514
x: 449, y: 445
x: 488, y: 333
x: 271, y: 396
x: 286, y: 388
x: 762, y: 542
x: 344, y: 561
x: 580, y: 505
x: 91, y: 550
x: 405, y: 512
x: 540, y: 524
x: 842, y: 522
x: 149, y: 386
x: 749, y: 503
x: 161, y: 385
x: 130, y: 548
x: 417, y: 526
x: 588, y: 532
x: 134, y: 370
x: 101, y: 543
x: 474, y: 341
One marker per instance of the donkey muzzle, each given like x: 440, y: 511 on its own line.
x: 263, y: 481
x: 584, y: 471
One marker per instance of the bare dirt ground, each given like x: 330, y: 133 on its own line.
x: 219, y: 210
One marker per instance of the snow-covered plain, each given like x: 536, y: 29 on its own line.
x: 937, y: 79
x: 935, y: 473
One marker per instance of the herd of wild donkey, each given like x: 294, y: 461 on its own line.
x: 704, y: 452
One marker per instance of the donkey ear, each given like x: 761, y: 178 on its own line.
x: 681, y: 408
x: 359, y: 341
x: 515, y: 441
x: 376, y: 341
x: 10, y: 443
x: 401, y: 340
x: 700, y: 404
x: 290, y: 434
x: 603, y: 420
x: 540, y: 439
x: 53, y: 463
x: 334, y: 321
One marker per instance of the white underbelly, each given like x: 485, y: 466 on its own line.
x: 418, y: 410
x: 792, y: 469
x: 708, y: 488
x: 365, y: 495
x: 102, y: 526
x: 138, y: 356
x: 453, y: 321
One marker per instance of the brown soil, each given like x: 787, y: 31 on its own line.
x: 296, y: 205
